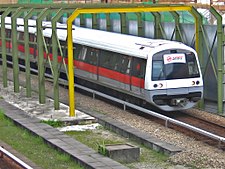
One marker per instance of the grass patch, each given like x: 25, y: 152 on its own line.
x: 48, y: 158
x: 53, y: 123
x: 93, y: 138
x: 33, y: 147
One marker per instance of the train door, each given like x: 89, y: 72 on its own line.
x: 138, y: 75
x: 92, y: 59
x: 86, y: 62
x: 125, y: 70
x: 114, y: 69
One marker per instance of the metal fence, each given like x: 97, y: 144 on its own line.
x: 208, y: 40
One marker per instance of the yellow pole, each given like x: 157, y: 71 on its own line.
x: 103, y: 10
x: 70, y: 64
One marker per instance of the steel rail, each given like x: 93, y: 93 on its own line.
x: 160, y: 116
x: 14, y: 158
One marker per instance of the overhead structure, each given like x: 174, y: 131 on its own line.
x: 55, y: 13
x: 77, y: 12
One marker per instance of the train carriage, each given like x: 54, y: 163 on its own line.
x: 164, y: 73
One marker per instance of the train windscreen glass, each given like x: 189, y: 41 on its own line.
x: 168, y: 66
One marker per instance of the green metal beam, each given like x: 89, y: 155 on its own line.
x: 178, y: 36
x: 55, y: 58
x: 15, y: 58
x: 108, y: 22
x: 41, y: 67
x: 94, y: 21
x: 140, y: 24
x: 157, y: 30
x: 27, y: 52
x: 220, y: 59
x: 3, y: 39
x: 89, y: 5
x: 123, y: 23
x: 199, y: 42
x: 82, y: 21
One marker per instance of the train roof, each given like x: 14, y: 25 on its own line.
x: 121, y: 43
x: 116, y: 42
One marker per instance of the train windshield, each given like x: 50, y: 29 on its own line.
x: 175, y: 64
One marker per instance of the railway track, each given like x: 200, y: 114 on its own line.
x: 196, y: 127
x: 210, y: 126
x: 215, y: 128
x: 193, y: 126
x: 9, y: 161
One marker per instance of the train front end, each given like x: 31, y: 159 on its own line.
x: 174, y: 79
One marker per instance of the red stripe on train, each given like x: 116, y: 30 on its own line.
x: 123, y: 78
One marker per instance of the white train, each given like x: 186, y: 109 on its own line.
x: 164, y: 73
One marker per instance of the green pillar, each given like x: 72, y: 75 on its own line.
x: 220, y: 60
x: 41, y: 66
x: 15, y: 58
x: 177, y: 31
x: 94, y: 21
x: 157, y: 18
x: 55, y: 59
x: 3, y: 38
x: 27, y: 52
x: 199, y: 43
x: 123, y: 23
x: 140, y: 25
x: 108, y: 22
x: 82, y: 20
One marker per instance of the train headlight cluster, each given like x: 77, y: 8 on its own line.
x: 160, y: 85
x: 195, y: 83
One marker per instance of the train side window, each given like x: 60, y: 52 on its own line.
x: 48, y: 42
x: 91, y: 56
x: 138, y: 67
x: 76, y: 50
x: 105, y: 59
x: 128, y: 66
x: 20, y: 36
x: 192, y: 68
x: 115, y: 62
x: 125, y: 64
x: 8, y: 33
x: 63, y: 48
x: 158, y: 73
x: 31, y: 37
x: 192, y: 65
x: 82, y: 53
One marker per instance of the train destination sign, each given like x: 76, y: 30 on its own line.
x: 174, y: 58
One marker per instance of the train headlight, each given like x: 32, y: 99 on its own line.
x: 195, y: 83
x: 155, y: 85
x: 160, y: 85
